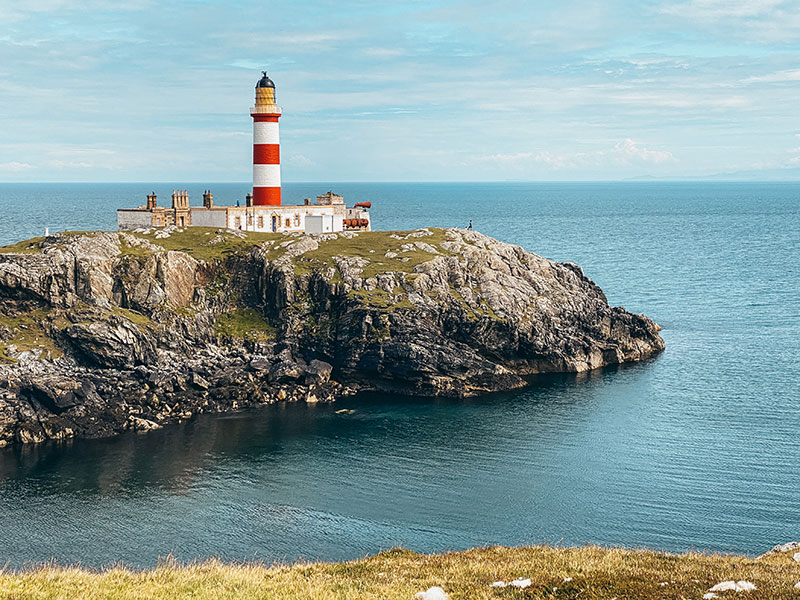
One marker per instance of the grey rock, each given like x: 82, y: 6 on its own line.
x: 781, y: 548
x: 284, y: 371
x: 137, y: 326
x: 318, y: 371
x: 199, y: 382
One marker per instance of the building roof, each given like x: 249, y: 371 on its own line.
x: 265, y: 82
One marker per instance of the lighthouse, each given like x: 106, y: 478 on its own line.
x: 263, y: 211
x: 266, y: 145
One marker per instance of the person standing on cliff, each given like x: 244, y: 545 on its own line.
x: 469, y: 227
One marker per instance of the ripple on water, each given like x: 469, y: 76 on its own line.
x: 694, y: 449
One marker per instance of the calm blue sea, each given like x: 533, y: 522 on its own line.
x: 697, y: 449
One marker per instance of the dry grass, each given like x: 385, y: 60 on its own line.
x: 595, y: 572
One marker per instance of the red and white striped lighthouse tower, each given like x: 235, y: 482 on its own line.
x: 266, y: 145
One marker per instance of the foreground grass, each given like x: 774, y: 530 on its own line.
x: 595, y: 573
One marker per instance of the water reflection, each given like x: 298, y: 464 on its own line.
x: 176, y: 457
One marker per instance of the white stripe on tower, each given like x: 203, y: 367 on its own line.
x: 265, y: 132
x: 266, y: 176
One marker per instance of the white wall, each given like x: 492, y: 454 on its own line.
x: 297, y: 216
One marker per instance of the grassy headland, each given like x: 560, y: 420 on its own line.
x: 586, y: 573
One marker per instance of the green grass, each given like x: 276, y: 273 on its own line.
x: 137, y: 318
x: 245, y: 324
x: 31, y: 246
x: 195, y: 241
x: 373, y: 246
x: 27, y: 333
x: 587, y: 573
x: 378, y: 298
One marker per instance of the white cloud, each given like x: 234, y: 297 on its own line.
x: 683, y: 100
x: 780, y: 76
x: 715, y: 9
x: 22, y: 10
x: 299, y: 160
x: 554, y: 160
x: 14, y: 167
x: 624, y: 153
x: 630, y: 149
x: 310, y: 41
x: 250, y: 65
x: 385, y: 52
x: 84, y: 158
x: 754, y: 21
x: 508, y: 158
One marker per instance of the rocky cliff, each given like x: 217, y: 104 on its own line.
x: 102, y: 332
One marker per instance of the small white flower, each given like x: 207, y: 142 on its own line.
x: 733, y: 586
x: 745, y: 586
x: 724, y: 586
x: 434, y: 593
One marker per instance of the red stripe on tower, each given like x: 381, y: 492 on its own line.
x: 266, y: 146
x: 266, y: 154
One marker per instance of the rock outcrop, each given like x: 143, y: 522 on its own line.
x: 102, y: 332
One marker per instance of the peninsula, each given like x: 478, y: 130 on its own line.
x: 102, y: 332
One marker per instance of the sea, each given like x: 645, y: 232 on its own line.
x: 696, y: 449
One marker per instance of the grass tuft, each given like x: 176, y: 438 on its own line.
x: 196, y: 241
x: 244, y: 324
x: 26, y: 332
x: 373, y: 246
x: 31, y: 246
x: 588, y: 573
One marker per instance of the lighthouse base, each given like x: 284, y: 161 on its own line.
x: 266, y: 196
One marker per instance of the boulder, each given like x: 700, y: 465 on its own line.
x: 318, y: 371
x: 285, y: 370
x: 260, y: 363
x: 114, y: 344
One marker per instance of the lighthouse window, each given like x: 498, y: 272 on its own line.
x: 288, y: 222
x: 261, y: 221
x: 238, y: 222
x: 249, y: 219
x: 297, y: 220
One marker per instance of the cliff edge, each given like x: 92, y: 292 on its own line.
x: 103, y: 331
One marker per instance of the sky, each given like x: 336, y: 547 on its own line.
x: 520, y: 90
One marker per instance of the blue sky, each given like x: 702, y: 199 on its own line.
x: 399, y: 91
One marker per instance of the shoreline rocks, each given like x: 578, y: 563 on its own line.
x: 102, y: 332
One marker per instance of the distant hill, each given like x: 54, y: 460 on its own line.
x: 751, y: 175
